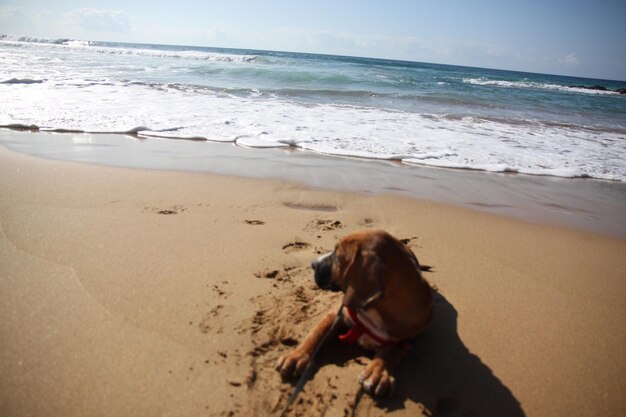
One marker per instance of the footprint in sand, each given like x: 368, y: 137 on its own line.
x: 255, y: 222
x: 278, y: 274
x: 274, y: 273
x: 208, y: 322
x: 295, y: 246
x: 219, y: 291
x: 411, y: 242
x: 367, y: 222
x: 311, y: 206
x: 167, y: 211
x: 325, y: 225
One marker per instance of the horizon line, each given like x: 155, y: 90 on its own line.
x: 335, y: 55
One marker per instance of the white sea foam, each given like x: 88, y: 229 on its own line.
x: 160, y: 53
x: 536, y: 85
x: 33, y: 39
x: 77, y: 43
x: 331, y: 129
x: 95, y: 98
x: 111, y: 50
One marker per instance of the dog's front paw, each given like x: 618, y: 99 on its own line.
x: 293, y: 363
x: 376, y: 379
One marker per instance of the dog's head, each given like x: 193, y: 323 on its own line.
x: 354, y: 268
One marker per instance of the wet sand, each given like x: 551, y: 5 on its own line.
x: 590, y: 205
x: 141, y: 292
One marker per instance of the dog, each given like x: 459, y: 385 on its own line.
x: 387, y: 300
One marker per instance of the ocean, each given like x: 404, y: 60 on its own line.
x: 412, y: 112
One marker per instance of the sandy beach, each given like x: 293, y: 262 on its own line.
x: 131, y: 292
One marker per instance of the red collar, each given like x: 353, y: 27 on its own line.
x: 359, y: 328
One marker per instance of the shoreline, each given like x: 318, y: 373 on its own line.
x: 590, y: 205
x: 189, y: 285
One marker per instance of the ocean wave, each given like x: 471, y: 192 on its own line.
x: 531, y: 123
x: 499, y: 168
x: 327, y: 93
x: 169, y: 133
x: 493, y: 144
x: 84, y: 90
x: 31, y: 39
x: 78, y: 43
x: 21, y: 81
x: 102, y: 47
x: 498, y: 144
x: 535, y: 85
x: 184, y: 54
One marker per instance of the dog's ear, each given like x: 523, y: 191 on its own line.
x: 365, y: 279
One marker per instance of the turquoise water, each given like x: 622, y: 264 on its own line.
x: 418, y: 113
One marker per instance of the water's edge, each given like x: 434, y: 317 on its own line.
x: 591, y: 205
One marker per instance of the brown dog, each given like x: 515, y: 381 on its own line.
x: 388, y: 302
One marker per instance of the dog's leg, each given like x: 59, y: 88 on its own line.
x: 293, y: 363
x: 377, y: 378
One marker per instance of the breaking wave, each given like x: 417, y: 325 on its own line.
x: 31, y: 39
x: 535, y: 85
x: 105, y: 48
x: 21, y: 81
x: 415, y: 113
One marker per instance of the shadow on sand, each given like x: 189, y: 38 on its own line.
x: 447, y: 378
x: 444, y: 376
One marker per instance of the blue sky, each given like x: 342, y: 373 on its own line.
x: 571, y: 37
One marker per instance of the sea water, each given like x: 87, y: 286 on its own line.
x: 417, y: 113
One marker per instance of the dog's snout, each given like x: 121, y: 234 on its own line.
x: 315, y: 264
x: 322, y: 267
x: 321, y: 260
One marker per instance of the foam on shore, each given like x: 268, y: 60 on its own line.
x: 364, y: 110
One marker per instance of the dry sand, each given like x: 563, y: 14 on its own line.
x: 141, y: 293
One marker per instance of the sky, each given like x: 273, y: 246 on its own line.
x: 569, y: 37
